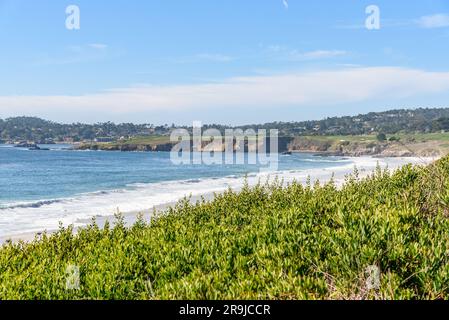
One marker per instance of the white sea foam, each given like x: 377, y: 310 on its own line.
x: 37, y: 216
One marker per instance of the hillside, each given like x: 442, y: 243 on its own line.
x: 422, y: 120
x: 398, y: 145
x: 266, y: 242
x: 389, y: 122
x: 43, y: 131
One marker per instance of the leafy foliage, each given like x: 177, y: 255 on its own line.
x: 35, y: 129
x: 389, y: 122
x: 381, y: 137
x: 272, y: 241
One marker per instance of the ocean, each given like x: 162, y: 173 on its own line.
x: 40, y: 189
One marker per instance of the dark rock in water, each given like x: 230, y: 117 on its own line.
x: 39, y: 149
x: 26, y: 145
x: 287, y: 153
x: 36, y: 147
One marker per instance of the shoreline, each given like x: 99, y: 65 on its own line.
x: 129, y: 218
x: 364, y: 164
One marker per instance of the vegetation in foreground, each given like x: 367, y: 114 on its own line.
x: 266, y: 242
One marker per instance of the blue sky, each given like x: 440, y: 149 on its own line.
x: 233, y: 61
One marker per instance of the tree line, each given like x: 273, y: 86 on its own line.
x: 422, y: 120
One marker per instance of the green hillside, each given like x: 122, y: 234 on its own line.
x: 266, y: 242
x: 400, y: 121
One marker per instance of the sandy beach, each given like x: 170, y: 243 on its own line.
x: 365, y: 166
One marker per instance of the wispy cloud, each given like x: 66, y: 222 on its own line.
x: 285, y: 2
x: 296, y: 55
x: 98, y: 46
x: 214, y: 57
x: 308, y: 89
x: 440, y: 20
x: 74, y: 54
x: 204, y: 57
x: 322, y: 54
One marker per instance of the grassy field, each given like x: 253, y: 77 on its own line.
x: 422, y: 145
x: 148, y: 140
x: 438, y: 140
x: 267, y: 242
x: 418, y: 137
x: 152, y: 140
x: 424, y: 137
x: 342, y: 138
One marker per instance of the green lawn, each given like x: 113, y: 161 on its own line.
x: 423, y: 137
x: 342, y: 138
x: 148, y: 140
x: 419, y: 137
x: 155, y: 140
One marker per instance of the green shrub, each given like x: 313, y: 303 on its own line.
x: 272, y: 241
x: 381, y: 137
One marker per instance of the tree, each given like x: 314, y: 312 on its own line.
x: 381, y: 137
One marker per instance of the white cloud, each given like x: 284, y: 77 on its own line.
x: 310, y: 89
x: 204, y: 57
x: 75, y: 54
x: 434, y: 21
x: 323, y: 54
x: 439, y: 20
x: 98, y: 46
x: 214, y: 57
x: 295, y: 55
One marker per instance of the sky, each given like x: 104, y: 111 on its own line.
x: 228, y: 62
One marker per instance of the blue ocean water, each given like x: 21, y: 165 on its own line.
x: 40, y: 188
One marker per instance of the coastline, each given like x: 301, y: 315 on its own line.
x: 365, y: 166
x: 343, y: 146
